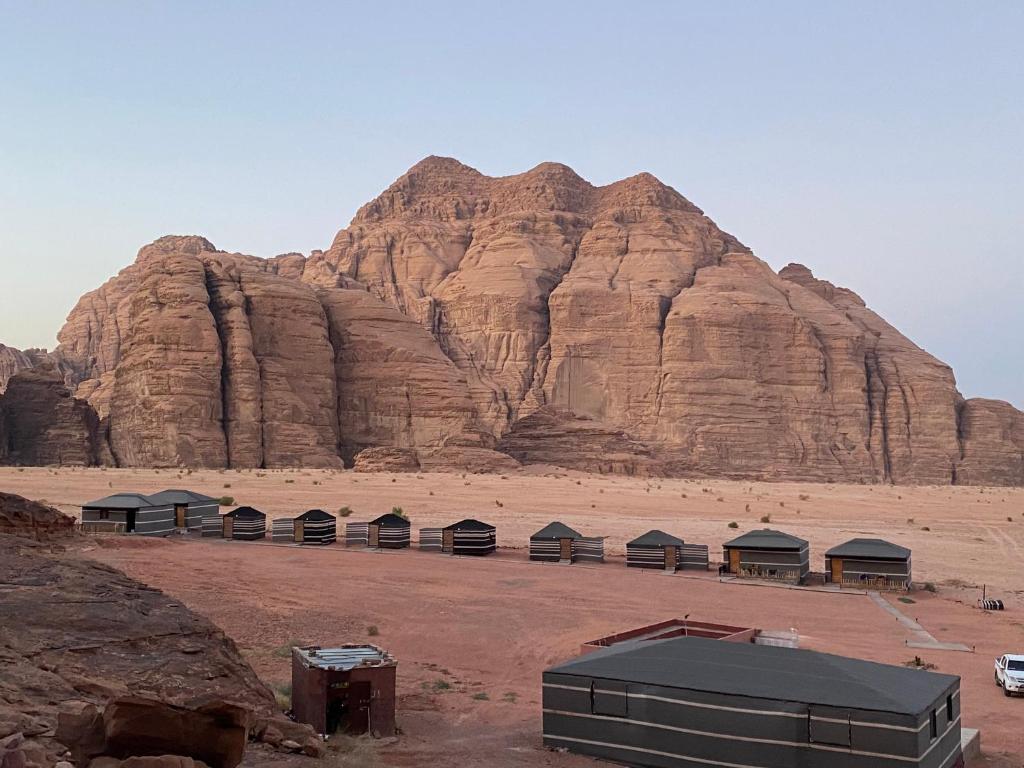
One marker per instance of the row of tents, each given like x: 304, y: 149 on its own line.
x: 761, y: 554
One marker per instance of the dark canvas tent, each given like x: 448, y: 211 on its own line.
x: 245, y: 523
x: 696, y: 701
x: 389, y: 531
x: 468, y: 537
x: 874, y: 563
x: 315, y: 527
x: 768, y: 554
x: 129, y: 513
x: 189, y: 507
x: 553, y: 543
x: 655, y: 549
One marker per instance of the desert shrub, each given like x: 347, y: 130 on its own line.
x: 442, y: 685
x: 227, y: 485
x: 226, y: 501
x: 925, y: 528
x: 283, y: 696
x: 481, y: 696
x: 766, y: 518
x: 289, y: 481
x: 399, y: 512
x: 804, y: 497
x: 929, y: 587
x: 372, y: 630
x: 734, y: 524
x: 344, y: 511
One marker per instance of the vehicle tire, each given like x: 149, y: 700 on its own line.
x: 996, y: 677
x: 1006, y: 691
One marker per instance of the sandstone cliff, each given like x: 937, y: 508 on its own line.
x: 456, y: 306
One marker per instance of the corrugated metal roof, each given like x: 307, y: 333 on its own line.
x: 766, y: 672
x: 346, y: 657
x: 556, y: 530
x: 870, y: 548
x: 469, y: 525
x: 179, y: 496
x: 766, y: 538
x: 127, y: 500
x: 656, y: 538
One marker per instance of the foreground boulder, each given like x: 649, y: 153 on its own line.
x: 22, y: 517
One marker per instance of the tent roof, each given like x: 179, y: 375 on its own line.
x: 556, y: 530
x: 656, y: 538
x: 766, y: 538
x: 469, y: 524
x: 391, y: 520
x: 179, y: 496
x: 879, y: 549
x: 245, y: 512
x: 127, y: 500
x: 766, y: 672
x: 315, y: 514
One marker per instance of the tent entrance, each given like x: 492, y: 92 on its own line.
x: 374, y: 534
x: 565, y: 550
x: 300, y: 531
x: 229, y: 527
x: 129, y: 520
x: 734, y: 561
x: 179, y: 515
x: 671, y: 558
x: 837, y: 570
x: 448, y: 541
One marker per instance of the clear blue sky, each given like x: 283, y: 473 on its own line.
x: 878, y: 143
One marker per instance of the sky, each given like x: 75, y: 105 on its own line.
x: 879, y: 143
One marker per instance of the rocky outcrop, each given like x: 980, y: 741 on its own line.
x: 30, y: 519
x: 457, y: 305
x: 11, y: 361
x: 41, y: 423
x: 992, y: 443
x: 64, y: 648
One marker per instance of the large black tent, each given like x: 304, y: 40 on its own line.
x: 557, y: 542
x: 874, y: 563
x: 244, y: 523
x: 468, y: 537
x: 655, y: 549
x: 768, y: 554
x: 389, y: 531
x: 695, y: 701
x: 316, y: 527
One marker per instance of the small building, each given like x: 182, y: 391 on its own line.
x: 768, y: 554
x: 697, y: 701
x: 655, y: 549
x: 350, y: 689
x: 868, y: 563
x: 664, y: 630
x: 315, y: 527
x: 129, y: 513
x: 189, y: 507
x: 558, y: 542
x: 389, y: 531
x: 244, y: 523
x: 469, y: 537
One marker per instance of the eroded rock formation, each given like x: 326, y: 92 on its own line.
x: 455, y: 306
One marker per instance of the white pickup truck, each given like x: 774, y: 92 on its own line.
x: 1010, y: 673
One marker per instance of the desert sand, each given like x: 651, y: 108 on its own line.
x: 472, y: 635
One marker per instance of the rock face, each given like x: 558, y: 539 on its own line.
x: 11, y: 361
x: 456, y: 306
x: 41, y: 423
x: 65, y: 654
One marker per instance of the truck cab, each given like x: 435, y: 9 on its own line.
x: 1010, y: 673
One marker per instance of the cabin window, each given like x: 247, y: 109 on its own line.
x: 949, y: 708
x: 104, y: 514
x: 935, y: 723
x: 609, y: 698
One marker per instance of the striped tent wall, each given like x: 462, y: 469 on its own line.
x: 101, y: 519
x: 197, y: 512
x: 357, y: 534
x: 474, y: 542
x: 282, y: 529
x: 320, y: 532
x: 647, y: 557
x: 546, y: 550
x: 694, y: 557
x: 213, y: 525
x: 249, y: 528
x: 155, y: 521
x: 430, y: 539
x: 393, y: 538
x: 873, y: 574
x: 588, y: 549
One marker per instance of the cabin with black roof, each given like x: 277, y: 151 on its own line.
x: 389, y: 531
x: 129, y: 512
x: 469, y: 537
x: 655, y: 549
x: 869, y: 564
x: 768, y: 554
x: 244, y: 523
x: 558, y: 543
x: 315, y: 527
x: 189, y: 507
x: 695, y: 701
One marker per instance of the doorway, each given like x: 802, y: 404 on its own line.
x: 300, y: 531
x: 565, y: 550
x: 671, y: 558
x: 374, y: 542
x: 129, y: 520
x: 448, y: 542
x: 180, y: 512
x: 229, y: 526
x: 734, y: 561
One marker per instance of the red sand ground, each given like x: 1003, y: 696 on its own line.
x: 472, y: 635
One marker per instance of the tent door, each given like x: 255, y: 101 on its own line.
x: 179, y: 515
x: 374, y: 541
x: 837, y: 570
x: 734, y: 561
x: 671, y: 558
x: 448, y: 541
x: 300, y: 531
x: 229, y: 524
x: 565, y: 549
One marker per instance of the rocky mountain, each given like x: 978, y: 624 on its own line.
x: 611, y: 328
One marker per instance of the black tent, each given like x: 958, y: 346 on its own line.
x: 316, y: 527
x: 655, y: 549
x: 245, y: 523
x: 768, y: 554
x: 389, y: 531
x: 691, y: 700
x: 468, y: 537
x: 874, y: 563
x: 557, y: 542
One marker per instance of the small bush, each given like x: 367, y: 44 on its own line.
x: 782, y: 503
x: 804, y: 497
x: 929, y: 587
x: 372, y: 630
x: 227, y: 485
x: 398, y: 511
x: 481, y: 696
x: 1009, y: 519
x: 719, y: 499
x: 442, y: 685
x: 734, y: 524
x: 766, y: 518
x: 289, y: 481
x: 910, y: 521
x: 498, y: 503
x: 283, y: 696
x: 925, y: 528
x: 226, y: 501
x: 746, y: 508
x: 344, y: 511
